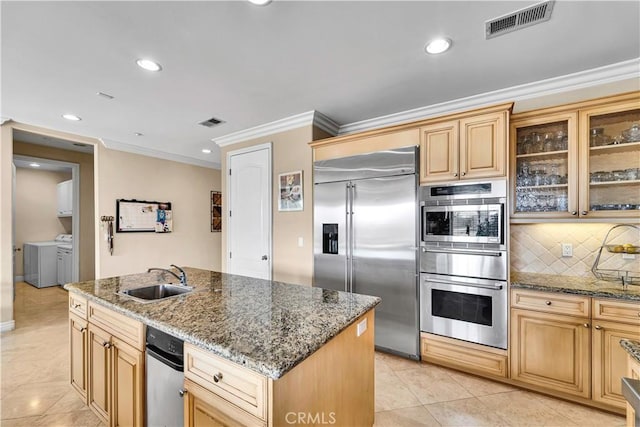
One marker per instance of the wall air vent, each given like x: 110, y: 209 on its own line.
x: 535, y: 14
x: 211, y: 122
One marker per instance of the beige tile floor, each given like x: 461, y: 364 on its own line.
x: 35, y: 392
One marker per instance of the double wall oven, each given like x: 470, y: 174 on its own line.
x: 463, y: 261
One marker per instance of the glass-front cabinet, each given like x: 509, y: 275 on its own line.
x: 545, y: 168
x: 577, y: 161
x: 610, y: 161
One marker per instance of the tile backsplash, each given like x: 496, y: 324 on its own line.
x: 536, y: 248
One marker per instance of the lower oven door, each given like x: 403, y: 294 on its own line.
x: 465, y: 308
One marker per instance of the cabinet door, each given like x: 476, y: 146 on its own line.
x: 128, y: 385
x: 439, y: 152
x: 544, y: 166
x: 78, y: 354
x: 60, y: 268
x: 609, y: 159
x: 483, y: 146
x: 99, y: 368
x: 62, y: 197
x: 610, y: 360
x: 204, y: 408
x: 551, y: 351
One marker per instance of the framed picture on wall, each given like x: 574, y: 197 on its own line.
x: 216, y: 211
x: 291, y: 198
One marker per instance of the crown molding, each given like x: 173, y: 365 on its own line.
x: 149, y: 152
x: 584, y: 79
x: 309, y: 118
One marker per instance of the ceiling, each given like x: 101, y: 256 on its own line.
x: 251, y: 65
x: 49, y: 141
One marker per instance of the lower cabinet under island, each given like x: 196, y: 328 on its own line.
x: 332, y: 385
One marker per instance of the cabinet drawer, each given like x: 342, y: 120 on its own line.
x: 78, y: 305
x: 240, y: 386
x: 128, y: 330
x: 571, y: 305
x: 627, y: 312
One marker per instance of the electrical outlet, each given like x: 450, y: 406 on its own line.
x: 300, y: 242
x: 567, y: 250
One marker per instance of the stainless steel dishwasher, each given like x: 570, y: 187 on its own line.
x: 165, y: 377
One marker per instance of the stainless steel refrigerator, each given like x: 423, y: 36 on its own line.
x: 366, y: 238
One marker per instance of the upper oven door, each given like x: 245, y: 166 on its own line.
x: 465, y: 224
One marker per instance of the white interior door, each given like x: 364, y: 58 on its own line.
x: 249, y: 225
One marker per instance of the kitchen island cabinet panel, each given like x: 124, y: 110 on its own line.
x: 128, y: 385
x: 78, y: 354
x: 99, y: 372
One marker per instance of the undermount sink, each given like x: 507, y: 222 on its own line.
x: 156, y: 292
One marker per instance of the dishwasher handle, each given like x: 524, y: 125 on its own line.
x: 157, y: 354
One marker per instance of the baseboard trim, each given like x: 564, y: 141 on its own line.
x: 7, y: 326
x: 19, y: 279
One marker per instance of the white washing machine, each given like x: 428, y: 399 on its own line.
x: 41, y: 261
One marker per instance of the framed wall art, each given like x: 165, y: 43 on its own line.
x: 291, y: 198
x: 216, y: 211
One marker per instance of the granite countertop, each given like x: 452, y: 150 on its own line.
x: 266, y: 326
x: 589, y: 286
x: 632, y: 347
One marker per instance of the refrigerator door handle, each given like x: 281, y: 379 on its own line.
x: 351, y: 235
x: 347, y: 283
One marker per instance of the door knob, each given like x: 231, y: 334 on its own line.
x: 264, y: 257
x: 182, y: 392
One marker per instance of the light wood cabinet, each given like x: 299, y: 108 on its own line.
x: 633, y: 372
x: 612, y: 322
x: 551, y: 351
x: 204, y: 408
x: 335, y: 385
x: 577, y: 160
x: 78, y: 354
x: 470, y: 357
x: 469, y: 148
x: 570, y: 344
x: 115, y: 367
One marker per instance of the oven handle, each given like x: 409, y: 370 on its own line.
x: 495, y: 287
x: 462, y: 251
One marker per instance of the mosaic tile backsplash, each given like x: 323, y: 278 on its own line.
x: 536, y: 248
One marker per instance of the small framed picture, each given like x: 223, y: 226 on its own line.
x: 216, y: 211
x: 291, y: 197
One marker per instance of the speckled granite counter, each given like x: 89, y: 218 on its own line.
x: 266, y: 326
x: 632, y: 347
x: 589, y: 286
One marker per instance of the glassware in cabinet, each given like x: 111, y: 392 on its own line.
x: 611, y: 174
x: 543, y: 169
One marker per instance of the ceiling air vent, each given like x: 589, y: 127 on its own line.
x: 519, y: 19
x: 211, y: 122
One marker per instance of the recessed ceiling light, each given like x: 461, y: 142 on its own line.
x: 206, y: 151
x: 260, y: 2
x: 148, y: 65
x: 138, y: 134
x: 71, y: 117
x: 439, y: 45
x: 34, y: 165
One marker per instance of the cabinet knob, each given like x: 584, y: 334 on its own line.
x: 463, y: 173
x: 586, y: 325
x: 106, y: 344
x: 574, y: 213
x: 584, y: 212
x: 76, y: 305
x: 548, y: 302
x: 455, y: 174
x: 83, y: 329
x: 598, y: 327
x: 182, y: 392
x: 217, y: 377
x: 264, y: 257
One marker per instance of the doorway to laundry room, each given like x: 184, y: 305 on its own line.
x: 53, y: 206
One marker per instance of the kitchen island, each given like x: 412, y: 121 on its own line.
x: 307, y: 353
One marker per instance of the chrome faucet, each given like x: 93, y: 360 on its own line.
x: 182, y: 277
